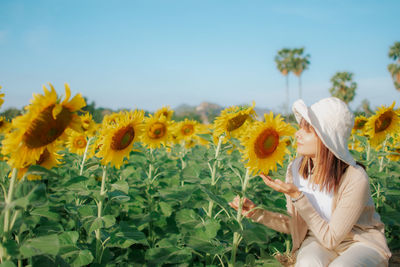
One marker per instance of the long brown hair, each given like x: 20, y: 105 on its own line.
x: 328, y: 168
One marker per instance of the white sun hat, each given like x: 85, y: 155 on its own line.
x: 332, y: 120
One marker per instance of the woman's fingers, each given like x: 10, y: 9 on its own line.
x: 265, y: 176
x: 280, y: 186
x: 276, y: 184
x: 233, y: 205
x: 271, y: 183
x: 246, y: 205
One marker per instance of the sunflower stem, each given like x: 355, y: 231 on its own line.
x: 218, y: 146
x: 8, y: 200
x: 99, y: 215
x: 183, y: 162
x: 84, y: 155
x: 149, y: 197
x: 236, y: 235
x: 368, y: 151
x: 236, y: 240
x: 14, y: 218
x: 246, y: 181
x: 382, y: 157
x: 213, y: 174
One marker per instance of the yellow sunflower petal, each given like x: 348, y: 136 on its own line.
x: 1, y: 98
x: 67, y: 93
x: 56, y: 110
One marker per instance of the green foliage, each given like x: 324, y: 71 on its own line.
x: 11, y: 113
x: 156, y: 211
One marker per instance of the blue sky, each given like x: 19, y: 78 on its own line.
x: 146, y: 54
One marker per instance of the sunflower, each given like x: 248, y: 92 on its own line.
x: 187, y: 129
x: 204, y: 129
x: 5, y: 126
x: 359, y: 124
x: 167, y: 112
x: 395, y: 155
x: 111, y: 119
x: 1, y: 98
x: 45, y: 121
x: 47, y: 160
x: 76, y: 142
x: 174, y: 138
x: 233, y: 120
x: 116, y: 140
x: 291, y: 143
x: 394, y: 150
x: 88, y: 125
x: 356, y: 145
x: 385, y: 122
x: 157, y: 131
x: 266, y: 146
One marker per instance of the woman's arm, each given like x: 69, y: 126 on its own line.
x: 276, y: 221
x: 273, y: 220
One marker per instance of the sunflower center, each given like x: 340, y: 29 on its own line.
x: 236, y: 122
x: 157, y: 130
x: 187, y: 129
x: 383, y: 122
x: 80, y: 142
x: 266, y: 143
x: 45, y: 129
x: 122, y: 138
x: 43, y: 157
x: 360, y: 124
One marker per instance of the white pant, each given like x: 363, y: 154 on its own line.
x: 313, y: 254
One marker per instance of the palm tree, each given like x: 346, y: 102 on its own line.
x: 299, y: 64
x: 394, y: 68
x: 343, y: 86
x: 284, y: 65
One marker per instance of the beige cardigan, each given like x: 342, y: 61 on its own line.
x: 353, y: 216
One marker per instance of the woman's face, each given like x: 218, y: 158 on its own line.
x: 307, y: 141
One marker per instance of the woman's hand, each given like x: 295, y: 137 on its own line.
x: 278, y: 185
x: 247, y: 208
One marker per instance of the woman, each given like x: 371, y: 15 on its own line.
x: 331, y: 214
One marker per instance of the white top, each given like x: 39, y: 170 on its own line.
x: 320, y: 200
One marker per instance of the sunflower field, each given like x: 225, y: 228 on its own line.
x: 144, y: 190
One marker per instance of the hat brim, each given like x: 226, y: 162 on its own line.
x: 300, y: 111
